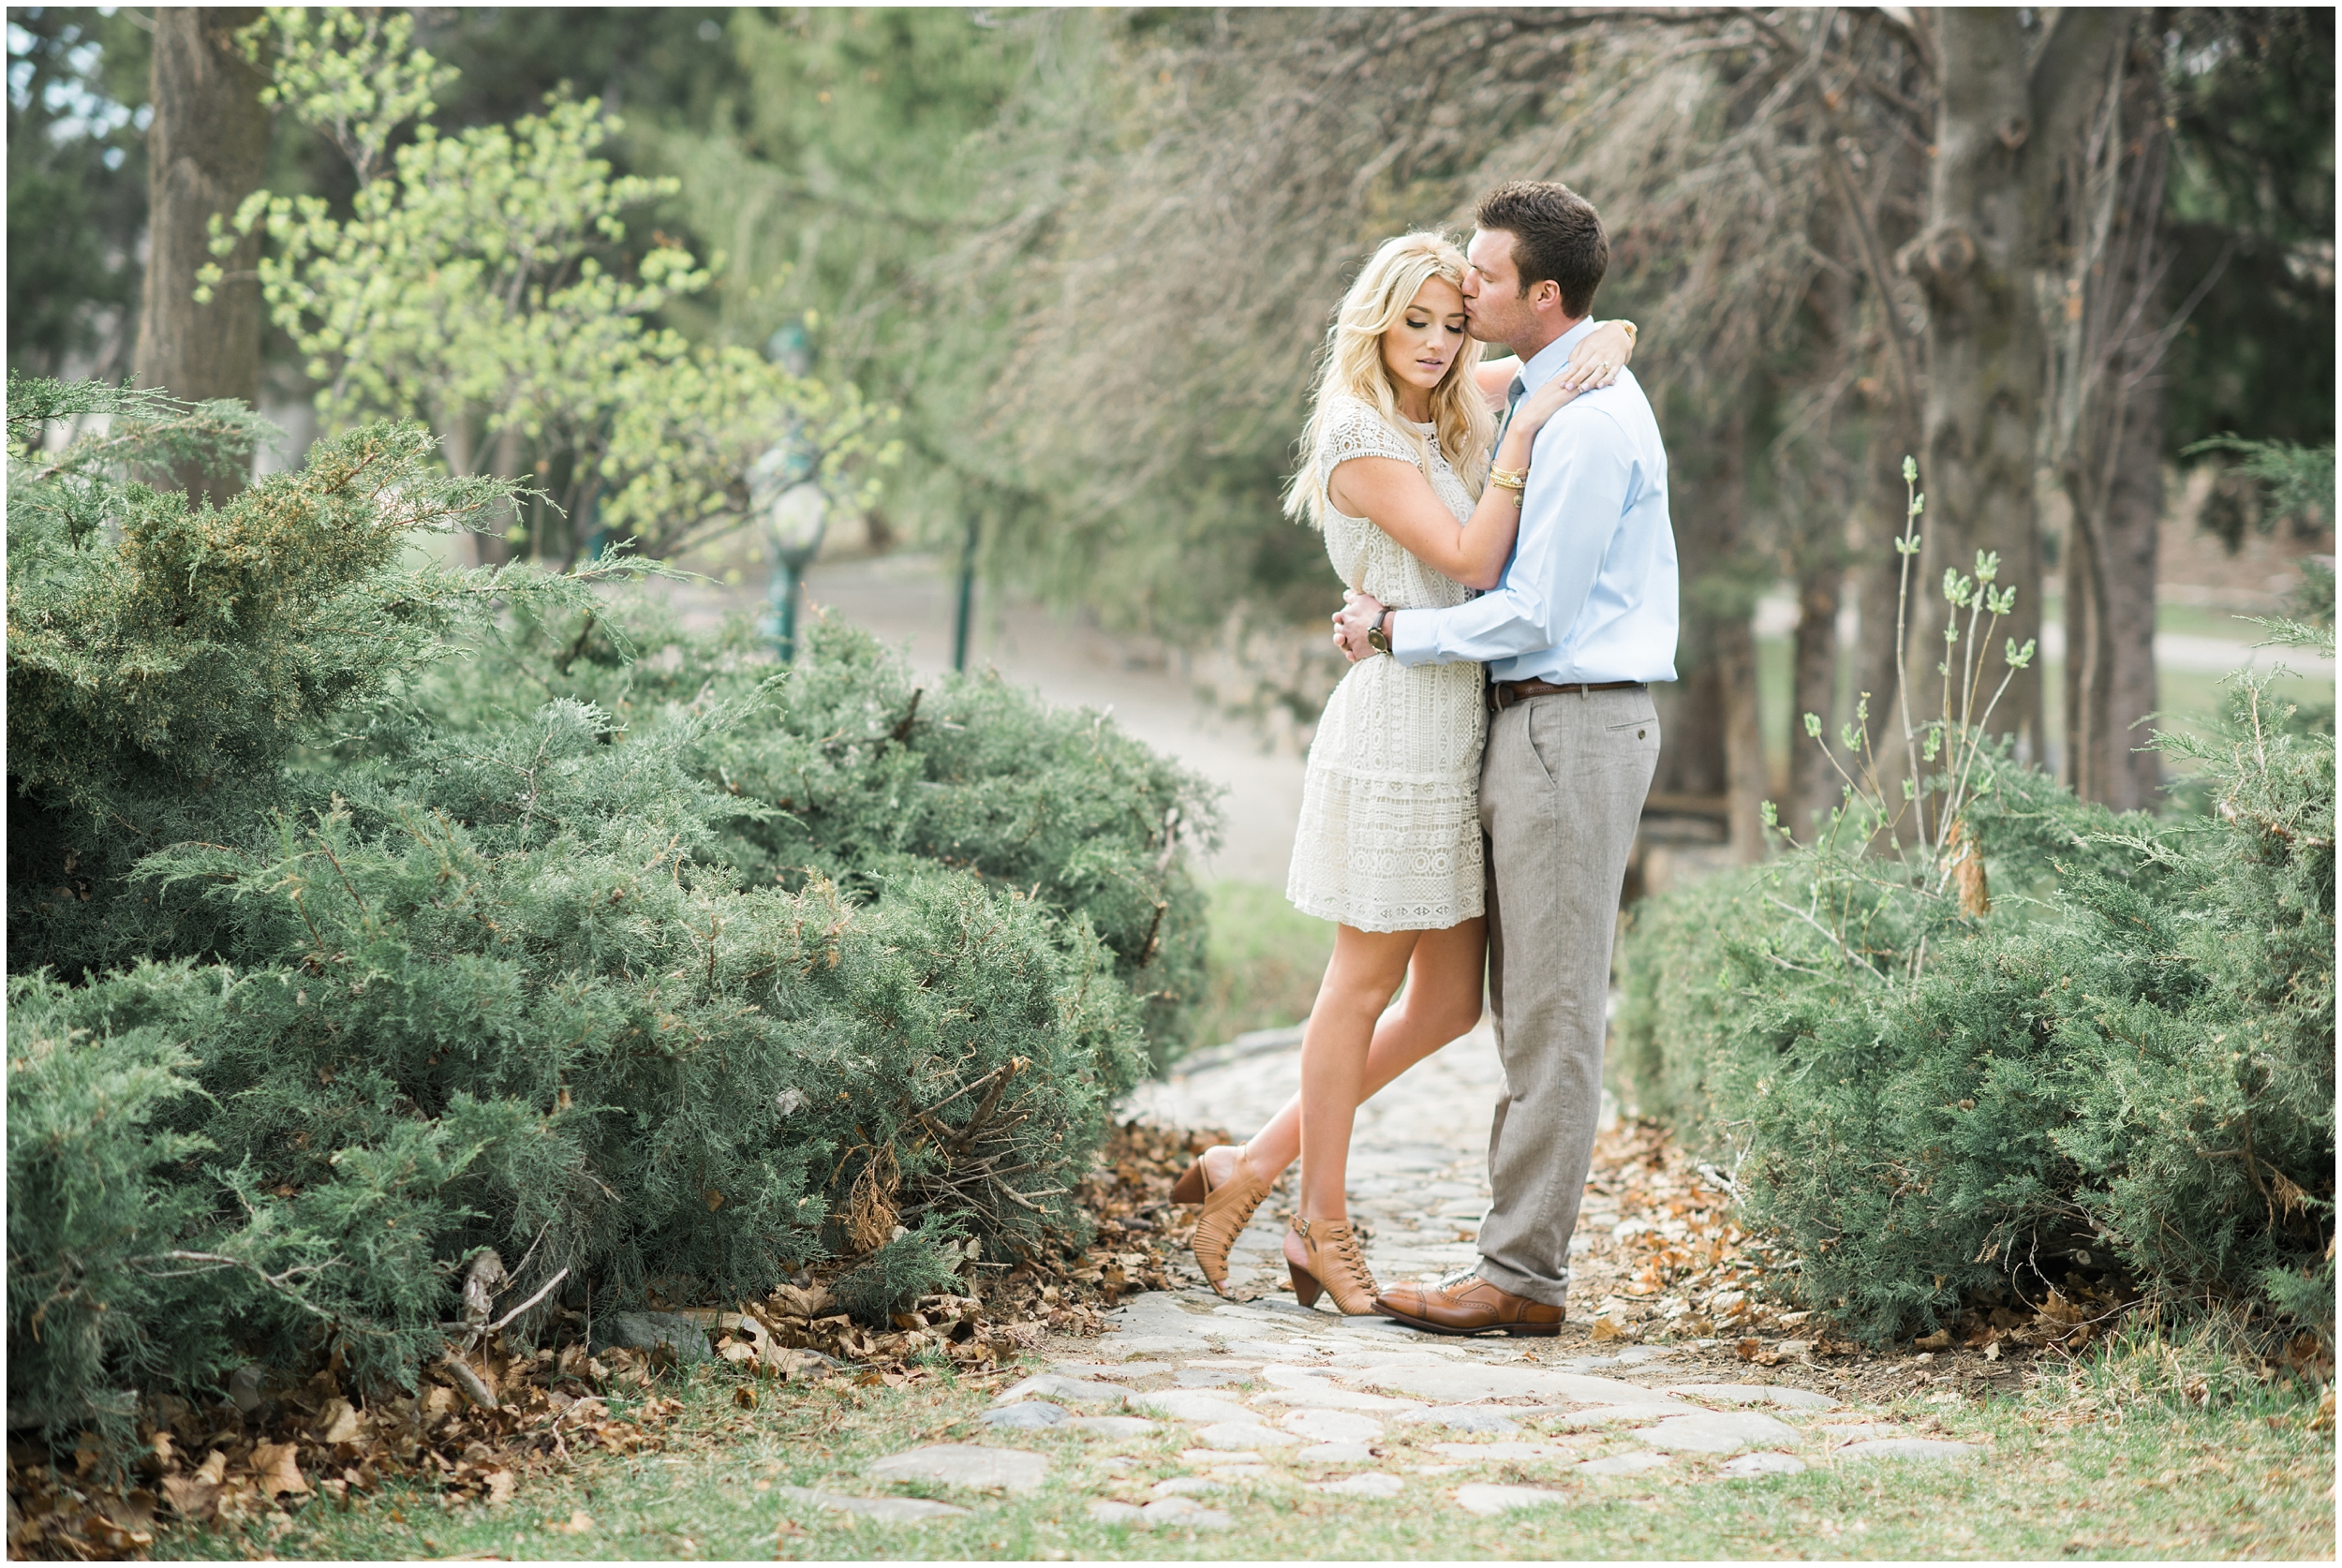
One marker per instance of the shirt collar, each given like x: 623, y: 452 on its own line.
x: 1549, y: 361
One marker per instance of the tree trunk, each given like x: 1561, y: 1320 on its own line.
x: 1813, y: 785
x: 2110, y: 438
x: 1747, y: 778
x: 2009, y: 108
x: 208, y: 150
x: 1876, y: 575
x: 1732, y: 635
x: 1712, y: 764
x: 2134, y: 777
x: 1692, y: 776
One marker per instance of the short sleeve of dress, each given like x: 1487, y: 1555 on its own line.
x: 1355, y: 428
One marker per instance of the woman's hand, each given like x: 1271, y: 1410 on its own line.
x: 1528, y: 419
x: 1595, y: 362
x: 1598, y: 357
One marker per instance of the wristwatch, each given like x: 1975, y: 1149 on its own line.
x: 1378, y: 637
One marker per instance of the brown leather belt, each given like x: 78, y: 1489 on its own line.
x: 1504, y: 694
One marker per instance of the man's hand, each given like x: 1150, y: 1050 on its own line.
x: 1359, y: 614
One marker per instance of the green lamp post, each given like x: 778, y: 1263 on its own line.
x: 793, y: 512
x: 783, y: 497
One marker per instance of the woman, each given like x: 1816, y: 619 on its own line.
x: 1388, y: 846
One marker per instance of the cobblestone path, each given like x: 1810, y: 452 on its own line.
x: 1192, y: 1407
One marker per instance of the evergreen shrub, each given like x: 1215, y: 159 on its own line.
x: 861, y: 774
x: 354, y: 935
x: 2075, y: 1040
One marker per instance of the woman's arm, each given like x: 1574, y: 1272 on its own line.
x: 1600, y: 355
x: 1496, y: 379
x: 1398, y: 500
x: 1607, y: 348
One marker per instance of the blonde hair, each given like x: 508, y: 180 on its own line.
x: 1352, y: 365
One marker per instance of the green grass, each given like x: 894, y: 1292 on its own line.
x: 1262, y: 963
x: 2073, y: 1471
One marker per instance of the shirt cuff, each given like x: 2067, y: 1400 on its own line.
x: 1414, y: 636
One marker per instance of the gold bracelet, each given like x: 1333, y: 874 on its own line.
x: 1510, y: 479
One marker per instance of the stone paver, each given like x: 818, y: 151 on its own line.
x: 1333, y: 1399
x: 1074, y: 1391
x: 1589, y: 1418
x: 1025, y: 1415
x: 1124, y: 1371
x: 1755, y: 1393
x: 1182, y: 1404
x: 1336, y: 1453
x: 1488, y: 1501
x: 892, y: 1510
x: 1244, y: 1434
x: 1764, y: 1464
x: 1333, y: 1426
x: 1111, y: 1426
x: 1449, y: 1383
x: 1206, y: 1377
x: 1185, y: 1511
x: 1495, y: 1453
x: 1623, y: 1464
x: 1466, y: 1418
x: 1106, y: 1510
x: 1716, y: 1433
x: 959, y: 1464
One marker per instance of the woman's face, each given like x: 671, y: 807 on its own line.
x: 1420, y: 349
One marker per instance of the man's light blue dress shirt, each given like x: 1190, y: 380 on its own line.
x: 1590, y: 592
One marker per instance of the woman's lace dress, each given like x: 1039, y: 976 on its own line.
x: 1389, y: 838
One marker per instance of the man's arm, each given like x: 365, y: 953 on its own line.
x: 1574, y: 503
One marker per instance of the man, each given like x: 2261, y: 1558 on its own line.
x: 1582, y: 622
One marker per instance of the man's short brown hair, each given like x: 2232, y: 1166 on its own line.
x: 1556, y: 234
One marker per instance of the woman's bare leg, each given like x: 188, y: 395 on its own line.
x: 1366, y: 967
x: 1446, y: 993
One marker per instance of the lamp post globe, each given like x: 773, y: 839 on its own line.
x: 793, y: 512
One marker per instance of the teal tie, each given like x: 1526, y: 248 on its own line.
x: 1513, y: 395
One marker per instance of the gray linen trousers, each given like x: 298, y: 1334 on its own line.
x: 1562, y: 789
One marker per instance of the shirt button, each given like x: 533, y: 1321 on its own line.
x: 1640, y: 734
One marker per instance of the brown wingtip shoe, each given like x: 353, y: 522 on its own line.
x: 1467, y: 1304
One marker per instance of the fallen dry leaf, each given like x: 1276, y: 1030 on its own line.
x: 276, y: 1466
x: 337, y: 1422
x: 192, y: 1498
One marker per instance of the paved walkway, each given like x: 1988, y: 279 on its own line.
x: 1192, y: 1409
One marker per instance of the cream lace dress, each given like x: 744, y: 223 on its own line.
x: 1389, y: 838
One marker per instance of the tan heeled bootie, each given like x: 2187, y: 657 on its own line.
x: 1335, y: 1268
x: 1227, y: 1209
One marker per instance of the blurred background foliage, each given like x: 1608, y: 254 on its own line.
x: 1087, y: 255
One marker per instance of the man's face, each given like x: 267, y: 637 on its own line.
x: 1491, y: 290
